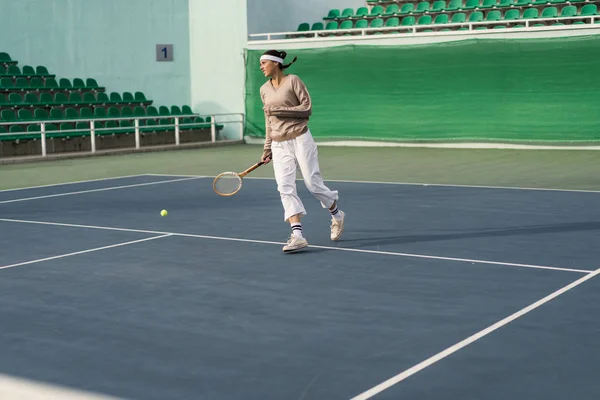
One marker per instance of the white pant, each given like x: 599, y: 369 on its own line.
x: 290, y: 155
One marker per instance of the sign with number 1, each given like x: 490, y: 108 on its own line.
x: 164, y: 52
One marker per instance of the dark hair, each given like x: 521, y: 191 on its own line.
x: 282, y: 55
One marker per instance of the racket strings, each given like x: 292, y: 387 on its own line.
x: 227, y: 183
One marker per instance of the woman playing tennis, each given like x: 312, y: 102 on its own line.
x: 290, y: 145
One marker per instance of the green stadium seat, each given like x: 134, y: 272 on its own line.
x: 589, y: 9
x: 65, y: 84
x: 102, y: 98
x: 51, y: 83
x: 13, y: 70
x: 163, y: 111
x: 78, y: 83
x: 376, y: 11
x: 89, y: 98
x: 41, y: 70
x: 408, y: 21
x: 499, y: 27
x: 86, y: 113
x: 488, y: 4
x: 115, y: 98
x: 530, y: 13
x: 5, y: 57
x: 184, y: 124
x: 391, y: 10
x: 128, y: 98
x: 458, y: 18
x: 31, y: 98
x: 333, y: 14
x: 75, y: 98
x: 113, y: 112
x: 111, y: 128
x: 438, y: 6
x: 422, y: 7
x: 550, y: 12
x: 165, y: 122
x: 361, y: 12
x: 152, y: 111
x: 186, y: 110
x: 28, y: 71
x: 71, y: 113
x: 140, y: 97
x: 175, y: 110
x: 454, y: 5
x: 392, y: 22
x: 362, y: 24
x: 424, y: 20
x: 522, y: 3
x: 41, y: 114
x: 346, y: 13
x: 481, y: 28
x: 505, y: 3
x: 56, y: 113
x: 441, y: 19
x: 25, y: 114
x: 476, y: 16
x: 139, y: 111
x: 17, y: 129
x: 91, y: 83
x: 22, y: 83
x: 15, y: 99
x: 126, y: 112
x: 470, y: 5
x: 317, y: 26
x: 3, y: 100
x: 150, y: 126
x: 568, y: 11
x: 7, y: 115
x: 46, y: 99
x: 99, y: 112
x: 83, y: 129
x: 493, y: 15
x: 407, y: 8
x: 60, y: 98
x: 303, y: 27
x: 347, y: 24
x: 7, y: 83
x: 512, y: 14
x: 540, y: 2
x: 36, y: 83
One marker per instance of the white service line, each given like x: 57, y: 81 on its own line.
x: 95, y: 190
x: 453, y: 349
x: 414, y: 184
x: 27, y: 389
x: 389, y: 253
x: 73, y: 183
x: 84, y: 251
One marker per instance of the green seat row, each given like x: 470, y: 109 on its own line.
x: 37, y: 83
x: 477, y: 16
x: 46, y: 99
x: 29, y: 71
x: 435, y: 6
x: 6, y: 59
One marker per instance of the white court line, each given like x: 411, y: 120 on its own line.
x: 453, y: 349
x: 96, y: 190
x: 84, y: 251
x: 389, y: 253
x: 414, y: 184
x: 72, y: 183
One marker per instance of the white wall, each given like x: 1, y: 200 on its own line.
x: 285, y: 15
x: 218, y: 37
x: 112, y: 41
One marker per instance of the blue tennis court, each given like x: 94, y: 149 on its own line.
x: 433, y: 292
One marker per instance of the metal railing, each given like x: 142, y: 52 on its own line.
x: 43, y: 133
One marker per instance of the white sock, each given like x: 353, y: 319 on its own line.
x: 335, y: 213
x: 297, y: 229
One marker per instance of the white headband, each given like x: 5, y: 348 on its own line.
x: 272, y: 58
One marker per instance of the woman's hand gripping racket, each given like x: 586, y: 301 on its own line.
x: 229, y: 183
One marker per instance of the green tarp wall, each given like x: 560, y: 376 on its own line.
x: 507, y: 90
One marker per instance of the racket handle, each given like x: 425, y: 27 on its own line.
x: 252, y: 168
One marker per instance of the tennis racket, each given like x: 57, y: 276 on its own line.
x: 229, y: 183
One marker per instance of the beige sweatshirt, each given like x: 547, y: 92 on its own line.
x: 287, y: 109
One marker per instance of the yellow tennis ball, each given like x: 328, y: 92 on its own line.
x: 164, y: 213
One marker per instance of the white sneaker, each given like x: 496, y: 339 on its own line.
x: 295, y: 243
x: 337, y: 226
